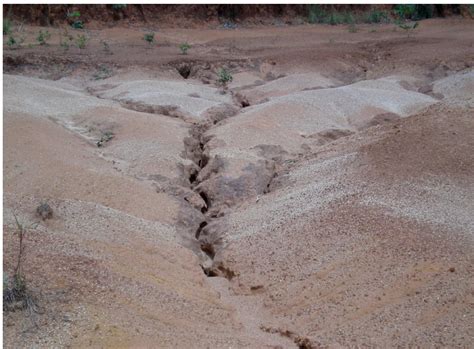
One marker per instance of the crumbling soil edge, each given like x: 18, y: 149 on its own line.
x: 196, y: 152
x: 301, y: 342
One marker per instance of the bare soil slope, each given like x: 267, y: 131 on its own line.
x: 323, y: 199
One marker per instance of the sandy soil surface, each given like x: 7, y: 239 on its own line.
x: 324, y: 198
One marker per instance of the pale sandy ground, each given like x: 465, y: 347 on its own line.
x: 340, y: 211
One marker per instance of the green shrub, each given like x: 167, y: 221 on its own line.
x: 11, y: 41
x: 43, y: 37
x: 81, y: 41
x: 409, y: 28
x: 333, y: 19
x: 404, y: 11
x: 119, y: 7
x: 224, y: 77
x: 348, y: 18
x: 7, y: 26
x: 316, y: 14
x: 413, y: 12
x: 184, y: 47
x: 15, y: 295
x: 67, y: 41
x: 78, y: 25
x: 103, y: 72
x: 376, y: 16
x: 423, y: 12
x: 74, y: 14
x: 149, y: 37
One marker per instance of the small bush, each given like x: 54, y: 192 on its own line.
x: 75, y: 22
x: 423, y: 12
x: 15, y: 296
x: 149, y: 37
x: 184, y: 47
x: 316, y: 14
x: 348, y: 18
x: 74, y: 14
x: 333, y: 19
x: 376, y: 16
x: 404, y: 11
x: 119, y: 7
x: 224, y: 77
x: 43, y: 37
x: 107, y: 136
x: 44, y: 211
x: 413, y: 12
x: 78, y: 25
x: 11, y: 42
x: 336, y: 18
x: 103, y: 72
x: 7, y: 26
x: 81, y: 41
x: 67, y: 41
x: 409, y: 28
x: 15, y: 292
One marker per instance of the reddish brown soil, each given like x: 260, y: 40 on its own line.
x: 375, y: 50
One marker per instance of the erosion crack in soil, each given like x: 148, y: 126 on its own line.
x: 322, y: 198
x: 195, y: 146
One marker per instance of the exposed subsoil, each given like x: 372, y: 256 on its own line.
x: 323, y: 198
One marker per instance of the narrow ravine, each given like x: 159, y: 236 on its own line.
x: 249, y: 312
x: 195, y: 150
x: 205, y: 230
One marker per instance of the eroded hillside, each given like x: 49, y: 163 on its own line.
x: 323, y: 198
